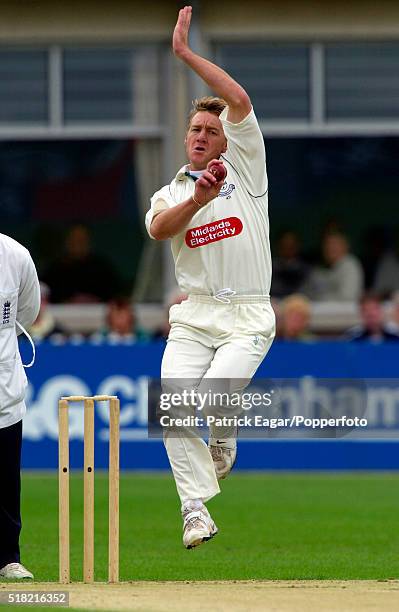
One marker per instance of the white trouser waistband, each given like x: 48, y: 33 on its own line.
x: 234, y: 299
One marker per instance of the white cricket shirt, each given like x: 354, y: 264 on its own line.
x: 226, y: 244
x: 19, y: 302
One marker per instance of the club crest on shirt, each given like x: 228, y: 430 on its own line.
x: 6, y: 312
x: 213, y: 232
x: 226, y: 190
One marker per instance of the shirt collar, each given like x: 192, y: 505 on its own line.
x: 181, y: 175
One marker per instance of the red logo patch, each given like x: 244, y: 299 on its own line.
x: 213, y: 232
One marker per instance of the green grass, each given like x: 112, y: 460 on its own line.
x: 272, y: 526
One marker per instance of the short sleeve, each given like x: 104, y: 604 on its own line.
x: 161, y: 200
x: 29, y: 293
x: 246, y: 151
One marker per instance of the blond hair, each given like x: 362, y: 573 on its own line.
x: 297, y: 302
x: 210, y: 104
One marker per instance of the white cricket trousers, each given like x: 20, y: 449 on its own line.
x: 211, y: 339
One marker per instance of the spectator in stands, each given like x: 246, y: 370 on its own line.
x: 289, y: 268
x: 372, y: 326
x: 45, y: 325
x: 79, y: 275
x: 120, y: 323
x: 330, y: 226
x: 386, y: 279
x: 295, y: 311
x: 174, y: 297
x: 276, y: 305
x: 393, y: 323
x: 375, y: 243
x: 342, y: 277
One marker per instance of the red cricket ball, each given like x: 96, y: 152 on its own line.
x: 219, y: 171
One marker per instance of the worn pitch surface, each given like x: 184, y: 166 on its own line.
x: 283, y: 596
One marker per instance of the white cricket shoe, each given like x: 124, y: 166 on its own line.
x: 223, y: 460
x: 14, y: 571
x: 198, y: 526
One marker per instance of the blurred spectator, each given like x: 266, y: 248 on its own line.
x: 174, y: 297
x: 372, y: 326
x: 342, y: 279
x: 375, y: 244
x: 386, y: 279
x: 45, y: 325
x: 330, y: 226
x: 120, y: 323
x: 289, y: 269
x: 276, y: 305
x: 79, y: 275
x: 295, y: 318
x: 393, y: 323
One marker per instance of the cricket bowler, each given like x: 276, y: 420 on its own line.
x: 219, y: 231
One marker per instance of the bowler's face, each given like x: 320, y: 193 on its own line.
x: 205, y: 140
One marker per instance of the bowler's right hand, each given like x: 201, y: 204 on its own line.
x: 207, y: 188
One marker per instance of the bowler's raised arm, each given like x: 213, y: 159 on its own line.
x: 218, y: 80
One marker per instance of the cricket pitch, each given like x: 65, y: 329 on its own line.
x: 231, y: 596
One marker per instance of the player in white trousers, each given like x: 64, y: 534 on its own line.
x: 219, y: 233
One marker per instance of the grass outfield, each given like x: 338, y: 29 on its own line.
x: 272, y: 526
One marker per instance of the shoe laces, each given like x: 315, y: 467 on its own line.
x: 193, y: 518
x: 193, y: 521
x: 15, y: 566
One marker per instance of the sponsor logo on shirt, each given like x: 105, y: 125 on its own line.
x: 213, y: 232
x: 6, y: 312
